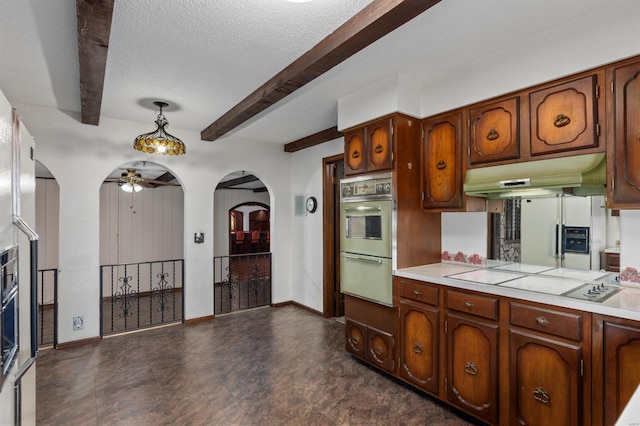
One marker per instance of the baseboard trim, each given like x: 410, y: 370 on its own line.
x: 78, y: 343
x: 299, y: 305
x: 194, y: 321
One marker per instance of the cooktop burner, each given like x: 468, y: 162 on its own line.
x: 593, y: 292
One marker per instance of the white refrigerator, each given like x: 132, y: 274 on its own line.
x: 561, y: 231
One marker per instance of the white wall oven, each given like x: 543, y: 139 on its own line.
x: 366, y: 237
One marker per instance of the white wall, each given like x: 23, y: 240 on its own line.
x: 307, y: 231
x: 71, y: 150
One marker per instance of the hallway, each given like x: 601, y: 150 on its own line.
x: 268, y: 366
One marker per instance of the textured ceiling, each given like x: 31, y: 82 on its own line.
x: 205, y: 56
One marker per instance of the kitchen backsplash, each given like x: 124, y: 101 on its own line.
x: 464, y: 237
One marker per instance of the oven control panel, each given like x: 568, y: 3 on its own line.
x: 366, y: 188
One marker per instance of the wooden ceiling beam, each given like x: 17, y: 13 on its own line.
x: 237, y: 181
x: 315, y: 139
x: 370, y: 24
x: 94, y: 27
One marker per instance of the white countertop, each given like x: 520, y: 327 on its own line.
x: 542, y: 287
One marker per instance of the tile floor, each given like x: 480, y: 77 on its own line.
x: 268, y: 366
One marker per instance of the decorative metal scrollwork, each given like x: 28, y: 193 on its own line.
x: 125, y: 297
x: 441, y: 165
x: 257, y: 281
x: 493, y: 135
x: 162, y: 292
x: 418, y: 348
x: 355, y: 154
x: 470, y: 368
x: 230, y: 284
x: 378, y: 149
x: 561, y: 120
x: 541, y: 395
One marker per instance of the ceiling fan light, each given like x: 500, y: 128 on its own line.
x: 156, y: 142
x: 126, y: 187
x: 137, y: 187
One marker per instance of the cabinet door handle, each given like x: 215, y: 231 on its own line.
x: 542, y: 320
x: 355, y: 341
x: 378, y: 350
x: 470, y: 368
x: 469, y: 304
x: 417, y: 293
x: 561, y: 120
x: 493, y: 135
x: 542, y: 396
x: 378, y: 149
x: 441, y: 165
x: 355, y: 154
x: 418, y: 348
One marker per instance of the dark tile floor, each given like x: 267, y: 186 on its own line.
x: 268, y: 366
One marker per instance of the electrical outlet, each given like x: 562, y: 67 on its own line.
x: 78, y: 323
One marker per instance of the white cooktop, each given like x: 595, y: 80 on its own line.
x: 486, y: 276
x: 543, y: 284
x: 523, y: 267
x: 576, y: 274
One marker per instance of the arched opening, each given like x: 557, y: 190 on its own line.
x: 141, y: 248
x: 47, y: 228
x: 242, y: 232
x: 249, y: 228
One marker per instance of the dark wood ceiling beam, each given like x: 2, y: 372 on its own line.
x: 237, y: 181
x: 94, y: 27
x: 370, y: 24
x: 312, y: 140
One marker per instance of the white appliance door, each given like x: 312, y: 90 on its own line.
x: 540, y: 217
x: 368, y: 277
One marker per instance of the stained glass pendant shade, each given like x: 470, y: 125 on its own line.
x: 159, y: 141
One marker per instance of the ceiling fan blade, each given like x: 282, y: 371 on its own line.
x: 159, y: 182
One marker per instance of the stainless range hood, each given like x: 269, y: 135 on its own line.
x: 580, y: 175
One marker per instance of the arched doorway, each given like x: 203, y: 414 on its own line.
x: 141, y: 248
x: 242, y: 233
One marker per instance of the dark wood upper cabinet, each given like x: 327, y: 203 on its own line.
x: 354, y: 152
x: 441, y: 162
x: 494, y: 131
x: 564, y: 117
x: 369, y: 148
x: 624, y: 182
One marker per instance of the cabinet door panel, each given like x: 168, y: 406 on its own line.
x: 494, y: 133
x: 381, y: 349
x: 355, y: 152
x: 627, y: 134
x: 419, y: 351
x: 356, y: 338
x: 379, y: 137
x: 564, y: 117
x: 441, y: 165
x: 472, y: 371
x: 621, y: 367
x: 545, y: 381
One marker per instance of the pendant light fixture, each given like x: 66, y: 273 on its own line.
x: 159, y: 141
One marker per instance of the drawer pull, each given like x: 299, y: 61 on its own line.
x: 417, y: 293
x: 542, y: 396
x: 493, y: 135
x: 542, y: 320
x: 418, y: 348
x: 379, y: 350
x: 561, y: 120
x: 469, y: 304
x: 471, y: 368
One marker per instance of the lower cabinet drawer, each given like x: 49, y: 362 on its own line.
x: 557, y: 323
x: 482, y: 306
x: 418, y: 292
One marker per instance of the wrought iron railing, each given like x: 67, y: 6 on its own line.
x: 48, y: 307
x: 140, y: 295
x: 241, y: 282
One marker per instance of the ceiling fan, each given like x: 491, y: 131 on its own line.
x: 132, y: 181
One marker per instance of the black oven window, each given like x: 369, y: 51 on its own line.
x: 9, y: 300
x: 373, y: 225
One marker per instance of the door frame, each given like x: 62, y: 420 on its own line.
x: 329, y: 220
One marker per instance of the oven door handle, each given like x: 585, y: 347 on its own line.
x: 364, y: 209
x: 363, y: 259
